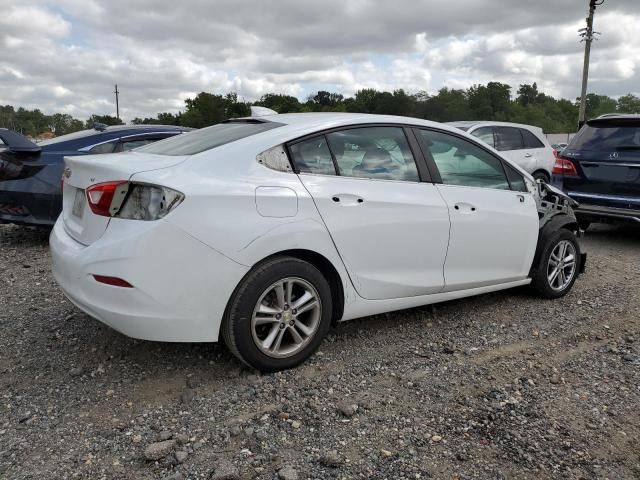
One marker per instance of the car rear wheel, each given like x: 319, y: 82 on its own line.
x: 278, y: 315
x: 558, y: 265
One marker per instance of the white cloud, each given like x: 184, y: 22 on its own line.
x: 66, y: 55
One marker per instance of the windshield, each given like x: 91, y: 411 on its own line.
x: 606, y: 137
x: 207, y: 138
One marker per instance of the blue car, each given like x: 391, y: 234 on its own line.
x: 30, y: 173
x: 600, y: 169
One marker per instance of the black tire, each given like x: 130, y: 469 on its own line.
x: 540, y: 175
x: 540, y: 281
x: 236, y: 326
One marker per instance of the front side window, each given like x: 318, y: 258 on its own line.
x: 486, y: 135
x: 374, y: 152
x: 460, y: 162
x: 517, y: 181
x: 313, y: 156
x: 508, y: 138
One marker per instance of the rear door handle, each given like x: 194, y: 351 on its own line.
x: 521, y: 198
x: 347, y: 199
x: 464, y: 207
x: 527, y: 155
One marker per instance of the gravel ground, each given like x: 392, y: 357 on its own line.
x: 499, y: 386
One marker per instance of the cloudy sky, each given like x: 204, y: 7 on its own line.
x: 65, y: 55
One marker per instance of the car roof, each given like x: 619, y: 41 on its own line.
x: 473, y: 123
x: 317, y: 121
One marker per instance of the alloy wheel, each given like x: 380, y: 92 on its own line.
x: 286, y: 317
x: 562, y: 265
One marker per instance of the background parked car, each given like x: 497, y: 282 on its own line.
x: 600, y: 168
x: 30, y: 173
x: 524, y: 145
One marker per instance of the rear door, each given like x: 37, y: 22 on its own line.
x: 606, y: 153
x: 390, y: 229
x: 494, y: 219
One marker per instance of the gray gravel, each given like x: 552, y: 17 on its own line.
x: 499, y: 386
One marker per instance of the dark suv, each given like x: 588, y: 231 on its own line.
x: 600, y: 168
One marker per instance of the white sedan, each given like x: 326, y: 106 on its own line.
x: 263, y: 231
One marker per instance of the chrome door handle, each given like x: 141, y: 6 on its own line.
x: 527, y: 155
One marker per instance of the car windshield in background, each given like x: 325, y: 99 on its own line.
x: 607, y: 137
x: 207, y: 138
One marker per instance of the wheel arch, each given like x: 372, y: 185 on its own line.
x: 319, y: 261
x: 558, y: 222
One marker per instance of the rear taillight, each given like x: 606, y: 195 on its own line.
x: 564, y: 166
x: 133, y: 201
x: 106, y: 198
x: 148, y: 202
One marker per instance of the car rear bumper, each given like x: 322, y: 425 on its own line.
x: 612, y: 213
x: 180, y: 286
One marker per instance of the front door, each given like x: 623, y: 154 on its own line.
x: 390, y: 229
x: 494, y: 227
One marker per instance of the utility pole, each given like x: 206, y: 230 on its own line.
x: 587, y: 35
x: 117, y: 105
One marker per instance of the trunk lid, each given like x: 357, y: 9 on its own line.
x: 82, y: 172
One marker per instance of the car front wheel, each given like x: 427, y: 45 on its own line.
x: 558, y: 265
x: 278, y: 315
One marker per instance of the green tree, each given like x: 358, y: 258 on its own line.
x: 629, y: 104
x: 279, y: 102
x: 104, y: 119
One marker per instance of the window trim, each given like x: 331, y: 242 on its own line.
x: 424, y: 173
x: 432, y: 163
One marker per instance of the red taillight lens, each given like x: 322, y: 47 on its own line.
x: 113, y: 281
x: 101, y: 196
x: 565, y: 167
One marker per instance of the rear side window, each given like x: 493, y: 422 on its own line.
x: 108, y: 147
x: 313, y: 156
x: 207, y: 138
x: 607, y: 138
x: 530, y: 140
x: 508, y: 138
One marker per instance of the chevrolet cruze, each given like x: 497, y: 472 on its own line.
x: 262, y: 231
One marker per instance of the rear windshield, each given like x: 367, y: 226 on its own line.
x: 606, y: 138
x: 207, y: 138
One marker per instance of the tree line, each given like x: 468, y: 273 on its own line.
x: 493, y: 101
